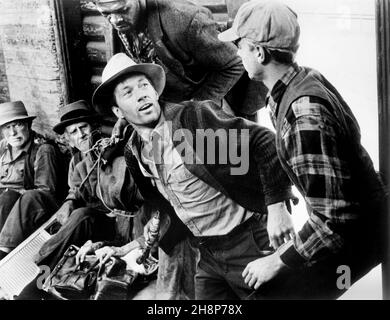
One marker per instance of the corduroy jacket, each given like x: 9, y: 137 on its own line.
x: 263, y: 184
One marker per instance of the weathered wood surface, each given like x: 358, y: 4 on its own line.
x: 94, y: 26
x: 32, y: 58
x: 4, y: 92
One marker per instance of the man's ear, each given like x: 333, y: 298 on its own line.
x: 261, y: 55
x: 118, y: 112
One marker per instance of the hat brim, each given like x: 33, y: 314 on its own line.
x: 228, y: 35
x: 3, y: 122
x: 60, y: 127
x: 103, y: 93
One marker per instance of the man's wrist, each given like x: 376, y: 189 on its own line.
x: 97, y: 245
x: 276, y: 207
x: 280, y: 264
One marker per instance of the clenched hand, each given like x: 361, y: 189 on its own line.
x: 262, y: 270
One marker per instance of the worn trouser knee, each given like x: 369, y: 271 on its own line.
x: 7, y: 201
x: 29, y: 212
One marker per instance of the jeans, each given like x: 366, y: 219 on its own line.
x: 224, y: 258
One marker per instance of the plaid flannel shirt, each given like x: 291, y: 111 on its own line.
x: 311, y: 149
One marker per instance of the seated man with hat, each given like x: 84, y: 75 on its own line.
x: 96, y: 188
x: 86, y: 212
x: 28, y: 177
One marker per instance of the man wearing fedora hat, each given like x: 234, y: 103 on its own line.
x: 211, y: 207
x: 318, y: 144
x: 28, y: 177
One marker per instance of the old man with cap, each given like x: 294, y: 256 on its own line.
x: 215, y: 204
x: 95, y: 190
x: 318, y: 144
x: 28, y: 177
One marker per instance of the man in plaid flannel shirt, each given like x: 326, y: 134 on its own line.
x: 318, y: 144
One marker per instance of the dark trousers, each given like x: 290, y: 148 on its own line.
x: 176, y: 272
x: 7, y: 201
x: 224, y: 258
x: 22, y: 214
x: 83, y: 224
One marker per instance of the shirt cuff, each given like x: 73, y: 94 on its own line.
x: 279, y: 196
x: 290, y: 256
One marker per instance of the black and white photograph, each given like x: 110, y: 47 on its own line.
x: 211, y: 151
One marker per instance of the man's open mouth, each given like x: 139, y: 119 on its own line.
x: 145, y: 106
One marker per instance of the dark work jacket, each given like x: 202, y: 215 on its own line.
x: 198, y: 65
x: 263, y: 184
x: 61, y: 167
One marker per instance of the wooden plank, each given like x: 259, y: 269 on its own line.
x: 95, y: 26
x: 27, y: 36
x: 33, y: 60
x: 96, y: 52
x: 88, y: 7
x: 383, y: 53
x: 50, y: 73
x: 4, y: 92
x: 28, y: 55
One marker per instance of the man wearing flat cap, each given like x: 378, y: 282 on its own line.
x: 28, y: 177
x: 318, y: 144
x: 212, y: 205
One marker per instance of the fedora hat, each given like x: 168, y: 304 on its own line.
x: 12, y: 111
x: 74, y: 112
x: 119, y: 65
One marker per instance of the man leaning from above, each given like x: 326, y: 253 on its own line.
x: 182, y: 37
x: 318, y: 144
x: 29, y: 170
x: 220, y: 211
